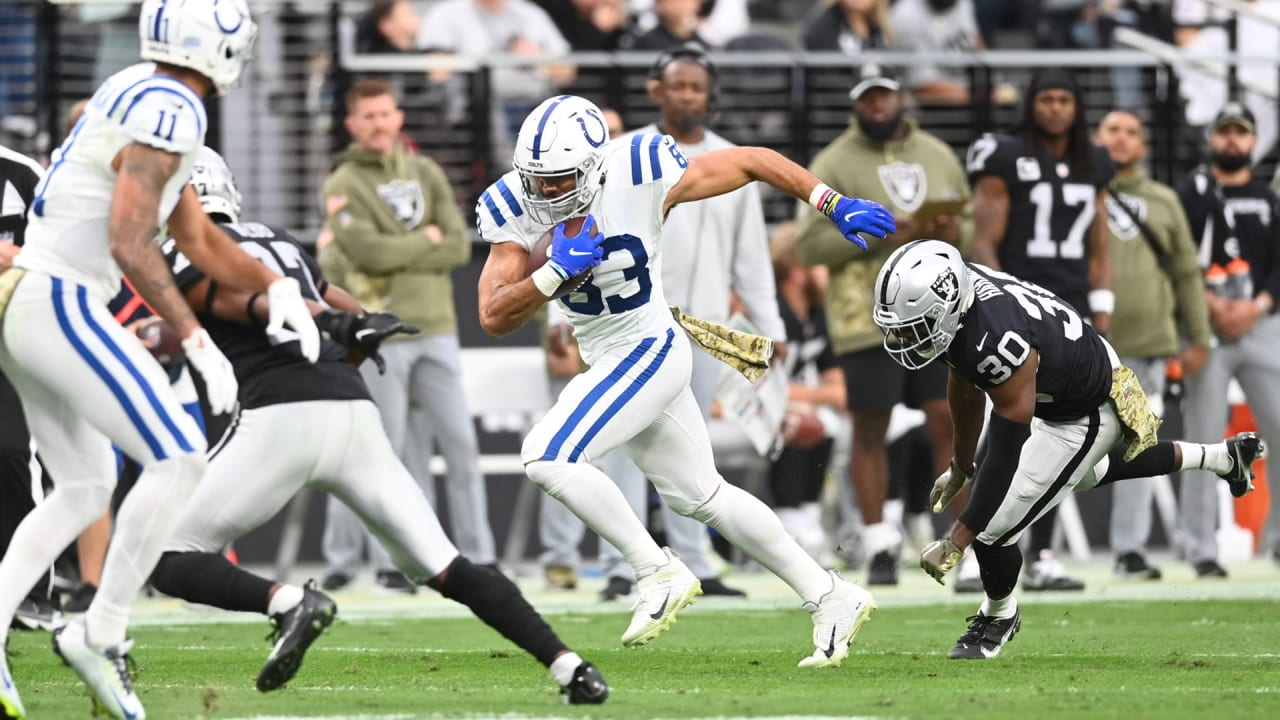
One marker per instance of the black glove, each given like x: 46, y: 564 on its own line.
x: 363, y: 334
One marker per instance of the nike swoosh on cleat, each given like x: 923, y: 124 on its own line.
x: 831, y: 647
x: 856, y: 213
x: 361, y: 334
x: 575, y: 253
x: 662, y: 608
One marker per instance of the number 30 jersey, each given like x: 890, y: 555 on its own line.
x: 67, y: 232
x: 623, y: 302
x: 1008, y: 318
x: 1051, y: 212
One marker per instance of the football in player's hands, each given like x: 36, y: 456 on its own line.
x: 542, y: 250
x: 160, y: 339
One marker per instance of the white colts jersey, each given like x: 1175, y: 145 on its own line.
x: 623, y: 301
x: 67, y: 230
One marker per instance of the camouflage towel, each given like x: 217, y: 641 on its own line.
x: 1139, y: 423
x: 8, y: 281
x: 748, y: 354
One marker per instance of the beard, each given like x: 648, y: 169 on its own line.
x: 685, y: 123
x: 882, y: 131
x: 1229, y: 162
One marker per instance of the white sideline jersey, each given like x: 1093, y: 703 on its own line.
x: 623, y: 302
x: 67, y: 232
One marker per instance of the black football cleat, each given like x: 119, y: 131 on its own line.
x: 586, y: 688
x: 1243, y: 449
x: 986, y: 636
x: 294, y: 632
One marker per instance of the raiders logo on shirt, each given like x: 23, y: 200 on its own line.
x: 906, y: 184
x: 1120, y: 222
x: 404, y: 197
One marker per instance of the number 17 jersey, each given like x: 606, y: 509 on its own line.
x: 623, y: 302
x: 1007, y: 319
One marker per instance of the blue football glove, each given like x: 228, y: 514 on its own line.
x: 575, y: 254
x: 855, y: 215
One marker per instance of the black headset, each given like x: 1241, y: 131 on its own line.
x: 692, y: 53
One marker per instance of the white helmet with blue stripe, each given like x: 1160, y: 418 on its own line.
x: 215, y: 185
x: 213, y: 37
x: 564, y: 135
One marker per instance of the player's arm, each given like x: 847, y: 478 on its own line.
x: 1102, y: 301
x: 235, y: 304
x: 990, y: 219
x: 967, y: 404
x: 213, y: 251
x: 507, y: 297
x: 141, y: 174
x: 721, y: 171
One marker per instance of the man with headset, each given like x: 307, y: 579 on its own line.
x: 725, y: 238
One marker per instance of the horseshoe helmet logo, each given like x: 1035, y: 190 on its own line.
x: 586, y: 132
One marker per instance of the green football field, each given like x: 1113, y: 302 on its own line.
x: 1170, y: 650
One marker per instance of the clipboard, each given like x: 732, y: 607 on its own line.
x: 931, y: 210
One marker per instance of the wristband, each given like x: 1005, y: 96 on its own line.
x: 1102, y: 301
x: 548, y: 279
x: 823, y: 198
x: 248, y: 310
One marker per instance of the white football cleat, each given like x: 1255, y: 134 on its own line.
x: 106, y: 672
x: 661, y: 596
x: 10, y: 704
x: 836, y: 620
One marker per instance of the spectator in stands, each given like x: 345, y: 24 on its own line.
x: 485, y: 29
x: 815, y: 394
x: 936, y: 26
x: 1235, y: 216
x: 390, y: 26
x: 911, y: 168
x: 677, y: 25
x: 1158, y: 287
x: 588, y: 25
x: 396, y: 235
x: 850, y: 26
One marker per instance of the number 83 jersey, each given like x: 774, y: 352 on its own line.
x: 623, y: 302
x: 1008, y: 318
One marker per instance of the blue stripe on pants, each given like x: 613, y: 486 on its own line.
x: 82, y: 297
x: 622, y: 399
x: 60, y: 311
x: 580, y: 412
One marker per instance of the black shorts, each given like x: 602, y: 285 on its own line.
x: 875, y: 382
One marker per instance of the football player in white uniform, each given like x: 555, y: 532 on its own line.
x: 86, y: 382
x: 636, y: 393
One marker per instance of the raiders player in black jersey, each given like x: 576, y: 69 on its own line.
x: 300, y: 424
x: 1036, y: 195
x: 1066, y: 415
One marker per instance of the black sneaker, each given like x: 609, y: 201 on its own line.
x: 1133, y: 566
x: 713, y: 586
x: 586, y: 688
x: 335, y: 581
x: 1209, y: 569
x: 616, y: 588
x: 986, y: 636
x: 36, y: 612
x: 78, y: 600
x: 1243, y: 449
x: 294, y: 632
x: 883, y: 570
x: 397, y: 581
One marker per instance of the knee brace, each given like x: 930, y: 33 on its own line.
x: 999, y: 567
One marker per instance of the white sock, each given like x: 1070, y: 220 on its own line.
x: 881, y: 537
x: 892, y: 511
x: 562, y: 668
x: 41, y: 536
x: 1003, y: 608
x: 284, y: 599
x: 1197, y: 456
x: 598, y: 502
x: 752, y: 527
x: 142, y: 527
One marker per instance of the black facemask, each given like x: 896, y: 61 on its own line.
x: 883, y: 131
x: 1229, y: 162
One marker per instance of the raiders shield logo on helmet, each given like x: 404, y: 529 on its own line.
x: 946, y: 286
x: 404, y: 197
x: 906, y: 184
